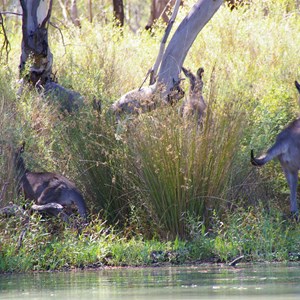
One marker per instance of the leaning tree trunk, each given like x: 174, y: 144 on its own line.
x: 174, y: 56
x: 183, y: 39
x: 36, y: 58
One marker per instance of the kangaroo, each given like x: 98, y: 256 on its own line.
x: 194, y: 105
x: 45, y: 188
x: 287, y: 150
x: 145, y: 99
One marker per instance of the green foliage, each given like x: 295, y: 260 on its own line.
x: 184, y: 169
x: 156, y: 175
x: 50, y: 245
x: 255, y: 233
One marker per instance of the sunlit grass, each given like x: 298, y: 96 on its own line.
x: 159, y: 164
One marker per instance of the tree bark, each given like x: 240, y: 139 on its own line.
x: 90, y: 11
x: 183, y: 39
x: 119, y: 12
x: 163, y: 42
x: 35, y: 48
x: 74, y: 13
x: 167, y: 84
x: 69, y: 9
x: 37, y: 59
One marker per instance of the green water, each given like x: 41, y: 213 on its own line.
x: 200, y: 282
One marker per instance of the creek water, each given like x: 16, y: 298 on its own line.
x: 267, y: 281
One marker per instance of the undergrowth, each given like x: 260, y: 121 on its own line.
x: 156, y: 178
x: 48, y: 244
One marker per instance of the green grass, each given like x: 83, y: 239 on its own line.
x: 156, y: 176
x: 50, y: 245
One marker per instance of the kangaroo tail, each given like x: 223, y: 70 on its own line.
x: 257, y: 161
x: 273, y: 152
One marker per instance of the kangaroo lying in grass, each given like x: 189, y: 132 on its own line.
x: 287, y: 150
x: 51, y: 192
x: 145, y: 99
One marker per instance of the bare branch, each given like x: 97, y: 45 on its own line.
x: 61, y: 34
x: 10, y: 13
x: 6, y: 44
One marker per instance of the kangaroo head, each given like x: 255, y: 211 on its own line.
x: 196, y: 82
x: 200, y: 73
x: 18, y: 160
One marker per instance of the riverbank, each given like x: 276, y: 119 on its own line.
x: 52, y: 245
x: 160, y: 189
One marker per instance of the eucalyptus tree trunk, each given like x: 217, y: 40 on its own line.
x: 183, y: 39
x: 163, y: 42
x: 173, y: 57
x: 36, y: 57
x: 69, y: 9
x: 74, y: 13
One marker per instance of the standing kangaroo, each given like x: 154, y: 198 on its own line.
x: 194, y: 105
x: 48, y: 188
x: 287, y: 150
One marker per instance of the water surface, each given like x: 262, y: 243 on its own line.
x: 200, y: 282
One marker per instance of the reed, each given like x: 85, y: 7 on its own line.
x: 185, y: 169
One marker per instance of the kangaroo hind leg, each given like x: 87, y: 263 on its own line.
x: 292, y: 179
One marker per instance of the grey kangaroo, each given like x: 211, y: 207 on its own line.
x: 145, y: 99
x: 45, y: 188
x: 194, y: 105
x: 287, y: 150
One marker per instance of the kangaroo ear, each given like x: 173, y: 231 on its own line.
x: 200, y: 72
x: 186, y: 72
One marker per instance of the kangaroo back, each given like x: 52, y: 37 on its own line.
x: 287, y: 149
x: 45, y: 188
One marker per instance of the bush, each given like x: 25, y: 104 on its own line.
x: 157, y: 163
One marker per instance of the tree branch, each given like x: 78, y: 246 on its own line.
x: 6, y: 44
x: 10, y: 13
x: 183, y: 39
x: 48, y: 15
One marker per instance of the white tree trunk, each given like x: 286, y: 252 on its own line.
x: 183, y: 39
x: 173, y: 58
x: 36, y: 58
x: 36, y: 16
x: 163, y: 42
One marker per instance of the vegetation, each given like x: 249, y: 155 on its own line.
x: 167, y: 190
x: 256, y: 234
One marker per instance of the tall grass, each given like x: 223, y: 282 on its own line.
x: 7, y: 137
x: 184, y: 169
x: 160, y: 164
x: 99, y: 163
